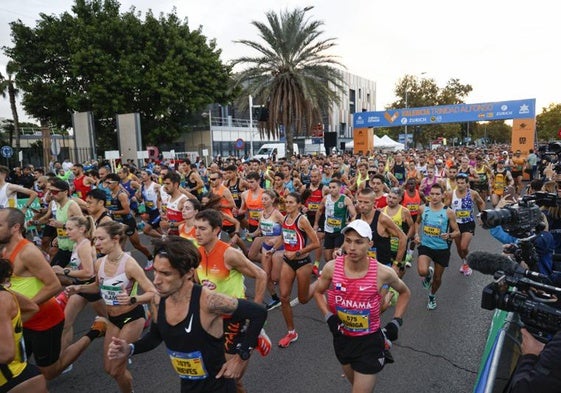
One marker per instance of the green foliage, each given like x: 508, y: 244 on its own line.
x: 548, y: 122
x: 292, y: 74
x: 95, y: 58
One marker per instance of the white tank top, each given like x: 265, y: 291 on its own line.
x: 110, y: 287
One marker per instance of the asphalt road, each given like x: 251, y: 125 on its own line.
x: 437, y: 351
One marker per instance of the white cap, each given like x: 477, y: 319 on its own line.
x: 361, y: 227
x: 439, y: 161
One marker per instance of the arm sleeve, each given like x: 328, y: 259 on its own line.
x: 256, y: 314
x: 149, y: 341
x: 539, y: 374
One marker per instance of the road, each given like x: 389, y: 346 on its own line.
x: 438, y: 351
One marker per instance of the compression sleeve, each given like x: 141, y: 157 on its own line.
x: 149, y: 341
x: 257, y: 315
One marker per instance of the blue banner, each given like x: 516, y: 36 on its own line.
x: 459, y: 113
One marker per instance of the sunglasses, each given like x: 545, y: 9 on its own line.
x: 212, y: 178
x: 54, y: 192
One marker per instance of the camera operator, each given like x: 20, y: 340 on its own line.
x: 539, y: 367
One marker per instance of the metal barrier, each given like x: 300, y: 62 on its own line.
x: 500, y: 355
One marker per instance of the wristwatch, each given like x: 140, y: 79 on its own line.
x: 244, y: 353
x: 133, y: 300
x: 66, y: 272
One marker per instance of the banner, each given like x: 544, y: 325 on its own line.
x: 363, y: 140
x: 523, y: 133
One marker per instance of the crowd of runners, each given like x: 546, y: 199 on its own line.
x: 319, y: 221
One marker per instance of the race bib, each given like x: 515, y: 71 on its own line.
x: 313, y: 206
x: 61, y: 232
x: 430, y: 230
x: 254, y: 214
x: 109, y: 294
x: 149, y: 204
x: 413, y: 207
x: 334, y: 222
x: 372, y: 253
x: 463, y: 213
x: 267, y: 228
x: 289, y: 236
x: 354, y: 320
x: 188, y: 365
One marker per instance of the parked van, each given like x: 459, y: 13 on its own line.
x: 268, y: 149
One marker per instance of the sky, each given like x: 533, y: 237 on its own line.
x: 506, y: 50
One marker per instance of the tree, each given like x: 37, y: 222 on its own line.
x: 414, y: 92
x: 96, y: 59
x: 548, y: 122
x: 292, y: 75
x: 8, y: 87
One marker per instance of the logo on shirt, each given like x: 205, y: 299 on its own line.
x: 188, y: 328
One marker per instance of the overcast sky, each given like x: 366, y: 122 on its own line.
x: 506, y: 50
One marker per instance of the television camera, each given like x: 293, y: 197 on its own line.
x: 515, y: 289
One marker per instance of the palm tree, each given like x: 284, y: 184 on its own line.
x: 7, y: 86
x: 292, y: 76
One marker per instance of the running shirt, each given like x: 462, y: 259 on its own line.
x: 75, y: 262
x: 11, y: 370
x: 335, y: 214
x: 64, y: 242
x: 236, y: 194
x: 434, y: 223
x: 190, y: 234
x: 399, y: 172
x: 500, y: 183
x: 4, y: 200
x: 81, y: 188
x: 111, y: 286
x: 427, y: 185
x: 483, y: 179
x: 149, y: 196
x: 254, y: 207
x: 293, y: 237
x: 173, y: 212
x: 223, y: 202
x: 50, y: 313
x: 216, y: 276
x: 113, y: 204
x: 127, y: 185
x: 412, y: 202
x: 313, y: 201
x: 463, y: 207
x: 397, y: 218
x: 381, y: 247
x: 269, y: 227
x: 195, y: 355
x: 355, y: 301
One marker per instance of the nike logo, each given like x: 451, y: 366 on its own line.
x: 188, y: 328
x: 117, y: 283
x: 361, y: 288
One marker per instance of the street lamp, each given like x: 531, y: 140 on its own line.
x: 407, y: 106
x: 250, y: 126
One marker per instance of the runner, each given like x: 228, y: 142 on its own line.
x: 295, y: 259
x: 353, y: 283
x: 16, y: 375
x: 189, y: 319
x: 432, y: 233
x: 118, y: 278
x: 462, y: 201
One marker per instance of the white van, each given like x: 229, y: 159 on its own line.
x: 266, y: 151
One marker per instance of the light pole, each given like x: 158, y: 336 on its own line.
x: 406, y: 133
x: 250, y: 126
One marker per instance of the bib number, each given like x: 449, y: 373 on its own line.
x: 354, y: 320
x: 188, y: 365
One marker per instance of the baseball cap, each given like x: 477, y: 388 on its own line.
x: 439, y: 161
x: 361, y: 227
x: 505, y: 153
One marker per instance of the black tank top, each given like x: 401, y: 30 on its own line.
x: 193, y: 352
x: 382, y: 244
x: 236, y: 194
